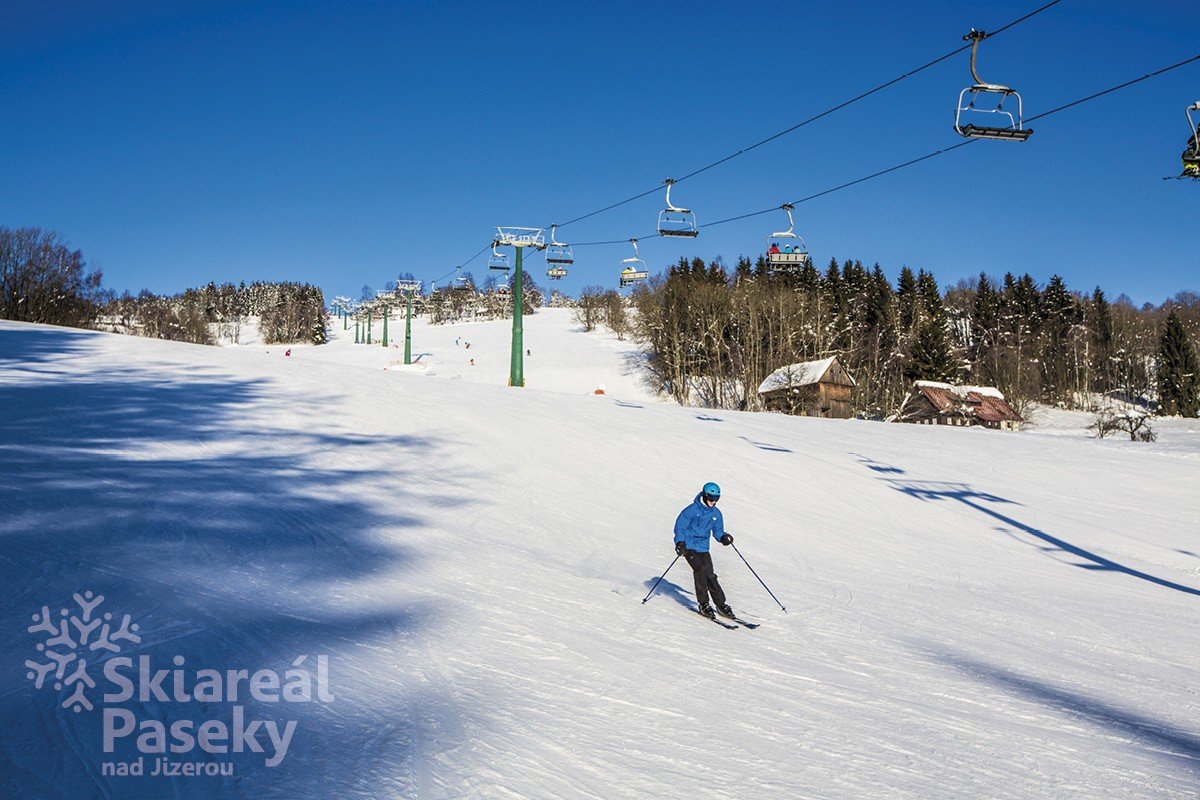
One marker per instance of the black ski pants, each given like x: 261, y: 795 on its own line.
x: 706, y: 579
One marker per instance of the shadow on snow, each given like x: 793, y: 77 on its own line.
x: 1182, y: 747
x: 236, y: 542
x: 975, y: 499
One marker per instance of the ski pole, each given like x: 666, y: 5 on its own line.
x: 660, y: 577
x: 760, y: 580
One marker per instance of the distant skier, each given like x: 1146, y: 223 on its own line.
x: 693, y: 526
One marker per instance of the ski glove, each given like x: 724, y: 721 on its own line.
x: 726, y: 539
x: 680, y: 548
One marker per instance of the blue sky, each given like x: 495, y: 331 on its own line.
x: 343, y: 143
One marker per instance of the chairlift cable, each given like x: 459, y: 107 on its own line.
x: 910, y: 162
x: 927, y: 156
x: 816, y: 117
x: 1112, y: 89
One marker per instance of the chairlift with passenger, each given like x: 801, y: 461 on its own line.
x: 969, y: 110
x: 1191, y: 152
x: 634, y: 269
x: 675, y: 221
x: 559, y: 256
x: 787, y: 258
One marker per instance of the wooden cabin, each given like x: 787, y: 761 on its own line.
x: 810, y: 389
x: 933, y: 403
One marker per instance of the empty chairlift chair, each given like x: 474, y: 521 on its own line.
x: 675, y: 221
x: 498, y: 261
x: 633, y: 269
x: 974, y: 103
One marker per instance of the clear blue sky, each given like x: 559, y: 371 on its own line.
x: 343, y: 143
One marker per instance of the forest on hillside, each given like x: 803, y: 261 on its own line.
x: 714, y: 334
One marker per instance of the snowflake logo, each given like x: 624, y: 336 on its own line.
x: 67, y: 644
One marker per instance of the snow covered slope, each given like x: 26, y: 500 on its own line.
x: 561, y: 357
x: 970, y: 613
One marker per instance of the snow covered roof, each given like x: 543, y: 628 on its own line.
x: 986, y: 403
x: 963, y: 391
x: 802, y: 374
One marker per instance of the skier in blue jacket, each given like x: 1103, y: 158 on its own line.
x: 693, y: 526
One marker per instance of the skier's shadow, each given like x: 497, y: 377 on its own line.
x: 672, y: 591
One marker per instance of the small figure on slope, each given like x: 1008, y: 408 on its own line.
x: 693, y: 526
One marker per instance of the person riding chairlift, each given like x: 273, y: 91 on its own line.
x: 1191, y: 156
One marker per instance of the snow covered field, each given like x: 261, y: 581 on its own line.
x: 970, y: 613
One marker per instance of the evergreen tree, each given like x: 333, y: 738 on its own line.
x: 1178, y: 371
x: 930, y: 359
x: 906, y: 291
x: 932, y: 306
x: 879, y: 305
x: 744, y: 269
x: 809, y: 280
x: 1101, y: 328
x: 832, y: 284
x: 1059, y: 314
x: 985, y: 327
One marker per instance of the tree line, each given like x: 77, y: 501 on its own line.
x: 288, y: 312
x: 43, y: 280
x: 713, y: 334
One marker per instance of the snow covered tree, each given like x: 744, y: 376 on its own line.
x: 1178, y: 371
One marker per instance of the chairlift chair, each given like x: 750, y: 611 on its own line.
x: 967, y: 110
x: 634, y: 269
x: 1191, y: 153
x: 783, y: 260
x: 459, y: 282
x: 559, y: 256
x: 675, y: 221
x: 497, y: 261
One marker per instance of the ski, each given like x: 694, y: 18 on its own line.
x: 724, y: 625
x: 744, y: 623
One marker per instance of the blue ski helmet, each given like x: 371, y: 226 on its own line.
x: 711, y: 491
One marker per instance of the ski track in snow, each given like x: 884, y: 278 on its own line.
x: 971, y: 613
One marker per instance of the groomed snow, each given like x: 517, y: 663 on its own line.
x: 971, y: 613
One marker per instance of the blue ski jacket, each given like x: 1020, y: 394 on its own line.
x: 696, y: 523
